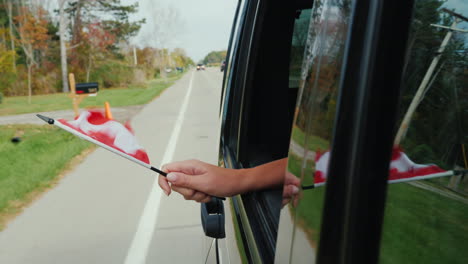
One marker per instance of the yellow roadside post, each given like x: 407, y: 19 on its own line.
x: 76, y: 98
x: 77, y: 95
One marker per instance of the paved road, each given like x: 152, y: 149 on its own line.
x: 108, y: 210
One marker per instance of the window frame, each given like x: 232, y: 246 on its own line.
x: 258, y: 229
x: 364, y: 132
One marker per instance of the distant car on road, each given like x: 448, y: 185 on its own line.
x: 200, y: 66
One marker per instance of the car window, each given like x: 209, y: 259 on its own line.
x: 233, y: 86
x: 298, y: 42
x: 312, y: 130
x: 427, y: 200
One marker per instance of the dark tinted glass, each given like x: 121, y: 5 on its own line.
x: 426, y: 217
x: 298, y: 42
x: 312, y: 131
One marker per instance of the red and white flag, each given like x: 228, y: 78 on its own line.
x: 111, y: 134
x: 321, y: 167
x: 401, y: 168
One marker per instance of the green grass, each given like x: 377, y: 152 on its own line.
x: 33, y: 164
x: 314, y: 143
x: 134, y: 95
x: 423, y: 227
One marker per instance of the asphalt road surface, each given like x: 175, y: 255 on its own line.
x: 109, y: 210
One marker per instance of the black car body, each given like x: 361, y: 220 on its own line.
x: 305, y: 79
x: 223, y: 65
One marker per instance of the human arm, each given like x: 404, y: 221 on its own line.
x: 197, y: 180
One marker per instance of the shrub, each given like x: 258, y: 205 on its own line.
x: 112, y: 74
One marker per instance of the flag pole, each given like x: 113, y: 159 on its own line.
x: 416, y: 178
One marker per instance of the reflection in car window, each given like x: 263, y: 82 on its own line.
x: 426, y: 217
x: 299, y: 38
x: 315, y: 115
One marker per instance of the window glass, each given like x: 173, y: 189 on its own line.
x: 426, y: 215
x: 312, y: 130
x: 298, y: 42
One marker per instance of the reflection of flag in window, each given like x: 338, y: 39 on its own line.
x: 321, y: 166
x: 109, y: 132
x: 401, y: 168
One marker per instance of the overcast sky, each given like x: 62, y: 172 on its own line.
x: 204, y: 25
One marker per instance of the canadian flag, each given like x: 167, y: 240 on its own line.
x: 119, y: 137
x: 402, y: 168
x: 321, y: 167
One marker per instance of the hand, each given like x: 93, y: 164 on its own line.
x: 291, y: 187
x: 197, y: 180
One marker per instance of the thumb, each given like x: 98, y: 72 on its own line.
x: 184, y: 180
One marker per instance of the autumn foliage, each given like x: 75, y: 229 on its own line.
x: 97, y: 36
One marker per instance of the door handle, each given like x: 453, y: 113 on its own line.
x: 212, y: 218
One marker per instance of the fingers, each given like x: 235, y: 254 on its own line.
x: 291, y: 179
x: 163, y: 183
x: 190, y: 194
x: 289, y: 191
x: 196, y: 182
x: 190, y: 167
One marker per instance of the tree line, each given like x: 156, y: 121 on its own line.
x: 214, y: 57
x: 39, y: 46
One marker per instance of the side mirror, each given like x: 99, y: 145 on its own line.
x: 212, y: 218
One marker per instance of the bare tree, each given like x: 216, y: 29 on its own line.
x: 167, y: 25
x: 32, y: 31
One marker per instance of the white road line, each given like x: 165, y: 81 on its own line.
x: 139, y: 248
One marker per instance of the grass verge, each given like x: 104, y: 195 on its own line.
x: 423, y: 227
x: 133, y: 95
x: 33, y: 165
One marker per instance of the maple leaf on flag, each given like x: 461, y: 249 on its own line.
x: 120, y: 137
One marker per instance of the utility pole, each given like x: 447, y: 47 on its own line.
x: 135, y: 60
x: 423, y: 86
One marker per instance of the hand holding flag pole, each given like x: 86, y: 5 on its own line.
x: 108, y: 134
